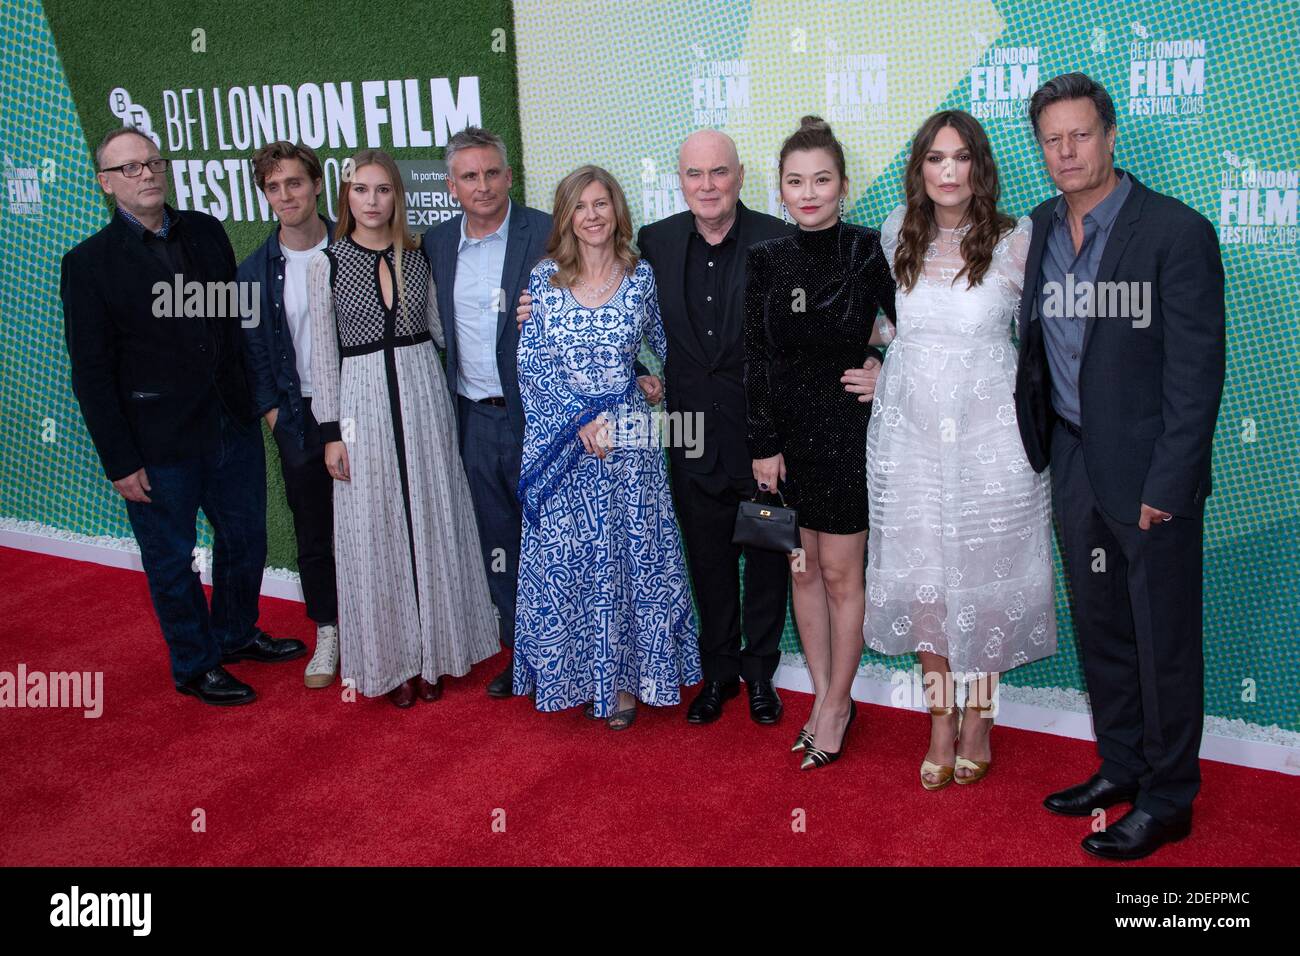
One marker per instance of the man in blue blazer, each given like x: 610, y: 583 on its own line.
x: 481, y: 259
x: 1118, y: 388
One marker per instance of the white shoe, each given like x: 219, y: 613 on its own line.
x: 324, y: 664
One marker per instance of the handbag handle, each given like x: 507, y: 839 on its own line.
x: 780, y: 497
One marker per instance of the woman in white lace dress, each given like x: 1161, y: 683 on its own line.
x: 959, y: 560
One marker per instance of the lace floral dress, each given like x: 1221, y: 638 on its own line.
x: 959, y: 559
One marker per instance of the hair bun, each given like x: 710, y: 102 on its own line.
x: 814, y: 123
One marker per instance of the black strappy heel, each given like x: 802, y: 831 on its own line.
x: 813, y: 757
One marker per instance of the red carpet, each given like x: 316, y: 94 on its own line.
x: 301, y: 777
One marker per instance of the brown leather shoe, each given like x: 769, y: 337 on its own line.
x: 428, y: 692
x: 403, y: 695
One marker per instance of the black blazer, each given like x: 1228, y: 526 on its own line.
x: 695, y: 382
x: 147, y: 385
x: 1149, y: 397
x: 526, y: 238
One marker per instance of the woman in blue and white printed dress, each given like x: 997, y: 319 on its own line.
x: 604, y: 614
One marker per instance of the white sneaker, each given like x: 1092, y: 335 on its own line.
x: 324, y: 664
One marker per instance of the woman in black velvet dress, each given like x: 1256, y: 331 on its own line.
x: 811, y: 302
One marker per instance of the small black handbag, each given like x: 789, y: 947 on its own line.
x: 767, y: 526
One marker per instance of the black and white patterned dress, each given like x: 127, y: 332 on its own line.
x: 413, y: 596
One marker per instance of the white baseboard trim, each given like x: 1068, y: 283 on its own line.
x: 124, y: 553
x: 876, y: 684
x: 1064, y: 713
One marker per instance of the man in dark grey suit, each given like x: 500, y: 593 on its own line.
x: 1120, y: 377
x: 481, y: 260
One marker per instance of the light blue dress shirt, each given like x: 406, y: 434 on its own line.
x: 479, y: 298
x: 1063, y: 335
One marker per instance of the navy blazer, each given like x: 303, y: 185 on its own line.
x: 526, y: 239
x: 1149, y: 396
x: 268, y: 346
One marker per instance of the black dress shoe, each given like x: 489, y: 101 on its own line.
x: 707, y: 705
x: 1135, y: 835
x: 403, y: 695
x: 1081, y: 799
x: 219, y: 688
x: 503, y: 685
x: 764, y: 704
x: 266, y: 649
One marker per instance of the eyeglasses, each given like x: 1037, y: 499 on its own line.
x: 132, y: 170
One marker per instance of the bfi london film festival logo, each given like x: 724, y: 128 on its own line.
x: 857, y: 87
x: 1002, y: 81
x: 1165, y: 77
x: 131, y: 113
x: 199, y: 125
x: 720, y: 91
x: 23, y: 187
x: 1257, y: 207
x: 661, y: 191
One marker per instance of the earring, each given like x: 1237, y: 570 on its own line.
x: 785, y: 213
x: 842, y: 207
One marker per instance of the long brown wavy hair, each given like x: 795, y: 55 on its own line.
x: 398, y: 234
x: 562, y: 246
x: 987, y: 223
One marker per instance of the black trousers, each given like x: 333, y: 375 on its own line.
x: 1137, y: 617
x: 492, y: 457
x: 310, y: 491
x: 706, y: 505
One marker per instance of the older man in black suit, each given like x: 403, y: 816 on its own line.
x: 1120, y: 377
x: 699, y: 262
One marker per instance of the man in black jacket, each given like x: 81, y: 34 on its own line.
x: 157, y: 370
x: 278, y: 353
x: 699, y: 263
x: 1120, y: 377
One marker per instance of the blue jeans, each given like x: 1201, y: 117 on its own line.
x: 228, y: 481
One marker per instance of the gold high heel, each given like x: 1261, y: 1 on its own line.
x: 978, y: 768
x: 802, y: 742
x: 945, y: 774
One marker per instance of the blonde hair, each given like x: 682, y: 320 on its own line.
x: 563, y: 244
x: 398, y: 234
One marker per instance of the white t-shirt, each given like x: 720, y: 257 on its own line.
x: 295, y: 308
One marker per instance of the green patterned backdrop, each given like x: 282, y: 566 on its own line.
x: 62, y: 59
x: 1210, y: 120
x: 1213, y: 112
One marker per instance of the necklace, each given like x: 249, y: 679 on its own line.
x: 597, y: 293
